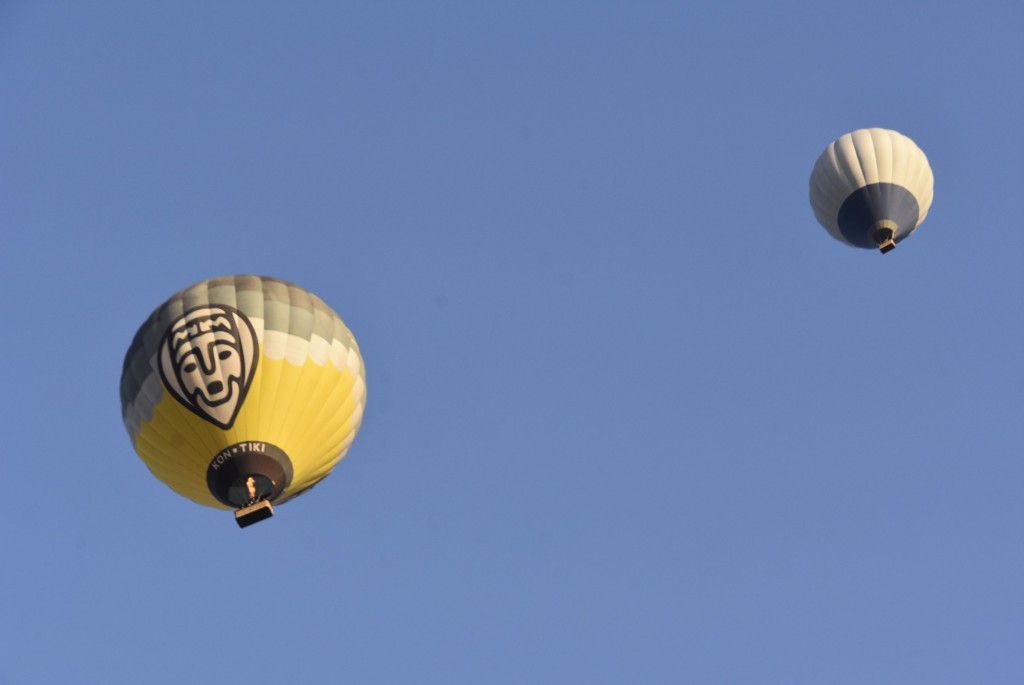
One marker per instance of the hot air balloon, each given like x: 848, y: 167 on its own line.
x: 871, y: 188
x: 242, y: 392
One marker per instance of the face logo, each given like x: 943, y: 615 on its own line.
x: 207, y: 361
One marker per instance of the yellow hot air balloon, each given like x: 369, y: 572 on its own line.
x: 871, y: 188
x: 242, y: 391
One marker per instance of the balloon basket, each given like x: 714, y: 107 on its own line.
x: 883, y: 236
x: 254, y: 513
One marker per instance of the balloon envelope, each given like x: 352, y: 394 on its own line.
x: 242, y: 389
x: 871, y: 188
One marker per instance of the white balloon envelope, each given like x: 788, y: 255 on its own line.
x: 871, y: 188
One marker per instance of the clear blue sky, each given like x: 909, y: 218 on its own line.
x: 633, y: 416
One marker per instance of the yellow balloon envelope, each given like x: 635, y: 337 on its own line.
x: 242, y: 391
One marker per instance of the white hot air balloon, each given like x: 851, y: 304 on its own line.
x: 871, y: 188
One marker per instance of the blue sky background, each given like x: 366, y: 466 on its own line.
x: 633, y: 416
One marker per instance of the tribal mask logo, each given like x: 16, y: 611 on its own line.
x: 207, y: 361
